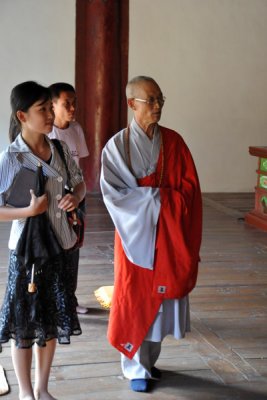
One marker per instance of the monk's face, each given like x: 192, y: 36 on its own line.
x: 147, y: 112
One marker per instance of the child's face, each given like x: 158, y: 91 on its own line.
x: 65, y: 106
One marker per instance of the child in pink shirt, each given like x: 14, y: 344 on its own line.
x: 65, y: 128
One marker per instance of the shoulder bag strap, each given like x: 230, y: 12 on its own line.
x: 60, y: 151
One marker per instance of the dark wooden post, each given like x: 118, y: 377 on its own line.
x: 102, y: 30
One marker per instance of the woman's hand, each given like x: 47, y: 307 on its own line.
x: 69, y: 202
x: 38, y: 205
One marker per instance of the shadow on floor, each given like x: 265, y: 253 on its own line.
x: 205, y: 389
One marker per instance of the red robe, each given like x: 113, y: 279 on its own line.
x: 139, y: 292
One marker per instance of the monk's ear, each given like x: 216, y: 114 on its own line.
x: 21, y: 116
x: 131, y: 103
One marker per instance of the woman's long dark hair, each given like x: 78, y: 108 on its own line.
x: 22, y: 97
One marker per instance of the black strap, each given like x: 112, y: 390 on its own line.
x: 60, y: 151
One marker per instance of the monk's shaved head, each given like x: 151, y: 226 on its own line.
x: 133, y: 84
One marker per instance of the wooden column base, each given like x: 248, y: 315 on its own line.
x: 256, y: 219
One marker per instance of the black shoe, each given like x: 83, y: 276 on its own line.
x: 155, y: 373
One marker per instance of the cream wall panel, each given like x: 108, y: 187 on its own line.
x: 37, y: 43
x: 210, y: 59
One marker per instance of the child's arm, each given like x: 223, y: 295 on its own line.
x: 37, y: 206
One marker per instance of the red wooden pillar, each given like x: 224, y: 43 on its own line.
x: 102, y: 29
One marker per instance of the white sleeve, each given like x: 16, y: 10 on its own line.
x: 133, y: 209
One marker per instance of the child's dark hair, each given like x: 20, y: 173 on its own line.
x: 57, y: 88
x: 22, y: 97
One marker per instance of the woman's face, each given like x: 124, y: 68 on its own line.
x: 39, y: 118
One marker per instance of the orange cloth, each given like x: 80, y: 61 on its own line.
x: 139, y: 292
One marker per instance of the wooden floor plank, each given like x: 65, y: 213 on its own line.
x: 224, y: 357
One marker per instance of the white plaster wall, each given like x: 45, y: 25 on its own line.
x: 37, y: 42
x: 210, y: 59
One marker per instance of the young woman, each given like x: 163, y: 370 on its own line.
x: 52, y: 315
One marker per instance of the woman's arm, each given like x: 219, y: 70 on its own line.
x: 37, y: 206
